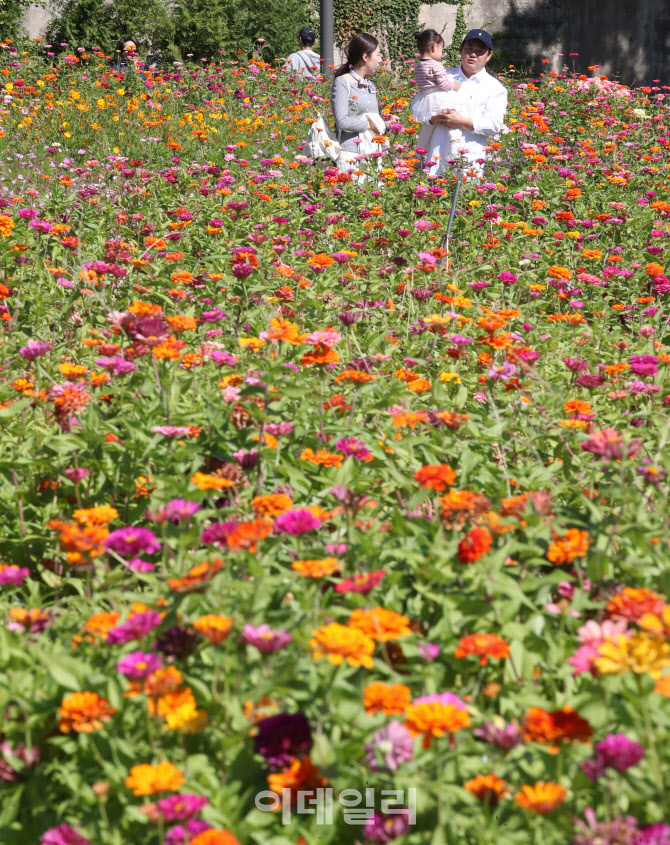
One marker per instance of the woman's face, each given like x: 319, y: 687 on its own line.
x: 372, y: 61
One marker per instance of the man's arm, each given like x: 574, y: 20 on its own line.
x: 493, y: 117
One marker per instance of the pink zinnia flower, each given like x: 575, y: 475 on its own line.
x: 139, y: 664
x: 265, y: 638
x: 445, y: 698
x: 353, y: 448
x: 180, y: 807
x: 171, y: 430
x: 296, y: 522
x: 63, y: 835
x: 328, y: 338
x: 13, y: 575
x: 135, y: 628
x: 131, y: 541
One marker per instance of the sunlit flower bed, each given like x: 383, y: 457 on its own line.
x: 292, y: 500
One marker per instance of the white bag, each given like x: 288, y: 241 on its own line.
x: 322, y: 141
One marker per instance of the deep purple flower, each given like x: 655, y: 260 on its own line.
x: 390, y: 746
x: 10, y: 754
x: 265, y: 638
x: 296, y: 522
x: 178, y: 642
x: 180, y: 807
x: 282, y: 737
x: 139, y: 664
x: 348, y: 318
x: 591, y: 380
x: 135, y: 628
x: 132, y: 541
x: 63, y: 835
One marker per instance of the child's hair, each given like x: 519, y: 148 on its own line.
x: 426, y: 39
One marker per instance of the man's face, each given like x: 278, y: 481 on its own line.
x: 475, y: 55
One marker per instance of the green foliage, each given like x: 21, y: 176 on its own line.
x: 201, y: 28
x: 11, y: 16
x: 394, y: 21
x: 89, y: 23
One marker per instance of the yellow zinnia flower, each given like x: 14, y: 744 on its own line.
x: 641, y: 654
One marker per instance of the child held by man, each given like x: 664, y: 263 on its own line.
x: 436, y: 88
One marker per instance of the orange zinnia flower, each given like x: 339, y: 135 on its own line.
x: 101, y: 515
x: 482, y: 645
x: 554, y: 726
x: 316, y: 568
x: 434, y: 719
x: 213, y: 627
x: 272, y: 504
x: 322, y: 458
x: 82, y: 545
x: 488, y: 789
x: 541, y: 797
x: 281, y: 329
x: 380, y: 624
x: 320, y: 355
x: 215, y: 837
x: 458, y: 506
x: 633, y: 603
x: 210, y: 482
x: 474, y: 545
x: 197, y: 575
x: 574, y: 543
x: 409, y: 418
x: 147, y: 779
x: 99, y: 625
x: 341, y: 643
x: 84, y: 712
x: 435, y: 476
x: 301, y: 776
x: 389, y: 699
x: 321, y: 260
x: 248, y: 534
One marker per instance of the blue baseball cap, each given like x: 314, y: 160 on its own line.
x: 479, y: 35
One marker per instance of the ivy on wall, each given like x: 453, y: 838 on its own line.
x: 394, y: 22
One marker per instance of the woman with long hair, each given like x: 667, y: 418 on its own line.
x: 354, y: 96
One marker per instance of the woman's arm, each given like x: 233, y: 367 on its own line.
x: 339, y: 100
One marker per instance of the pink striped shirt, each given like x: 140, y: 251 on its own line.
x: 431, y: 74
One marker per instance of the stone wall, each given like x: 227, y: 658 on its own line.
x: 629, y: 39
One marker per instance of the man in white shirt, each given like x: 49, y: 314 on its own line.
x: 481, y: 105
x: 306, y: 63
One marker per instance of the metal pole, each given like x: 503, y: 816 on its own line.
x: 326, y: 36
x: 445, y: 244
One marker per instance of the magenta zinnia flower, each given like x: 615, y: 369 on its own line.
x: 445, y: 698
x: 139, y: 664
x: 180, y: 807
x: 135, y: 628
x: 13, y: 575
x: 265, y: 638
x: 131, y: 541
x: 296, y: 522
x: 63, y: 835
x: 353, y: 448
x: 34, y: 349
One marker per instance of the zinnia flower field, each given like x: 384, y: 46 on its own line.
x: 297, y: 503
